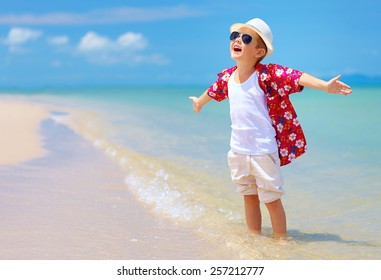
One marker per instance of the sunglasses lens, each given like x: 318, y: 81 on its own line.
x: 246, y: 39
x: 234, y: 35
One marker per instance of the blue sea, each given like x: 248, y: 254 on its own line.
x: 175, y: 164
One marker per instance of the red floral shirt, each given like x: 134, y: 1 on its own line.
x: 277, y: 82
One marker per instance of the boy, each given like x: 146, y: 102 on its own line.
x: 265, y: 131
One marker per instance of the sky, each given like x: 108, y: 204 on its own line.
x: 145, y: 43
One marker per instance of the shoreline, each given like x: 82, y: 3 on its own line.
x: 72, y: 203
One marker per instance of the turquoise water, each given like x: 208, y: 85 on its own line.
x: 175, y: 163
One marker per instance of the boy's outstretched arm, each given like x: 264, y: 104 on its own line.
x: 332, y: 86
x: 199, y: 102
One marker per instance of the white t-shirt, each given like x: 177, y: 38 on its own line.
x: 252, y: 130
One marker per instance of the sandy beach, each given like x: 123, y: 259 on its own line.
x: 55, y: 204
x: 19, y: 125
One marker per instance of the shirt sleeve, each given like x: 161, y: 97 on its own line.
x: 283, y: 79
x: 219, y: 89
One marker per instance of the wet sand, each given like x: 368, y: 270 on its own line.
x: 70, y: 202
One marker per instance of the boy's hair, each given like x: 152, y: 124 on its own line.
x: 261, y: 45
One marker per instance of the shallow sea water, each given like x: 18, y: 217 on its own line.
x: 174, y: 163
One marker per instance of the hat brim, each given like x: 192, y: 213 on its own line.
x: 237, y: 26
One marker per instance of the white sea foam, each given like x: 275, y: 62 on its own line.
x: 158, y: 192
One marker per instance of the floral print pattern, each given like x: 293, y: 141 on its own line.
x: 278, y: 83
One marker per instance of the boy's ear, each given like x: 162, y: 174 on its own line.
x: 260, y: 52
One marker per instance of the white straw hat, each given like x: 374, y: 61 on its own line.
x: 261, y: 28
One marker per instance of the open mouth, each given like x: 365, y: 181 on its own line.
x: 237, y: 49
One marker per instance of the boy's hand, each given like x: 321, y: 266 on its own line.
x: 199, y: 102
x: 337, y: 87
x: 196, y: 104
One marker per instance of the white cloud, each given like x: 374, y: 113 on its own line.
x: 58, y: 40
x: 132, y: 40
x: 129, y: 41
x: 125, y: 49
x: 93, y: 42
x: 104, y: 16
x: 18, y: 36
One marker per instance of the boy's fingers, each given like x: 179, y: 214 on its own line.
x: 344, y: 88
x: 196, y: 106
x: 346, y: 91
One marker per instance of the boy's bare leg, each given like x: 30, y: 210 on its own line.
x: 278, y: 218
x: 253, y: 213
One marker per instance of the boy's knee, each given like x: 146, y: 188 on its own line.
x: 274, y: 204
x: 253, y: 200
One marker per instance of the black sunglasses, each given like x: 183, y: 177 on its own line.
x: 246, y: 38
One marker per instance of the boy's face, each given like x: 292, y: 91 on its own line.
x: 242, y: 52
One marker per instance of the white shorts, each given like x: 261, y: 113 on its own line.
x: 257, y: 175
